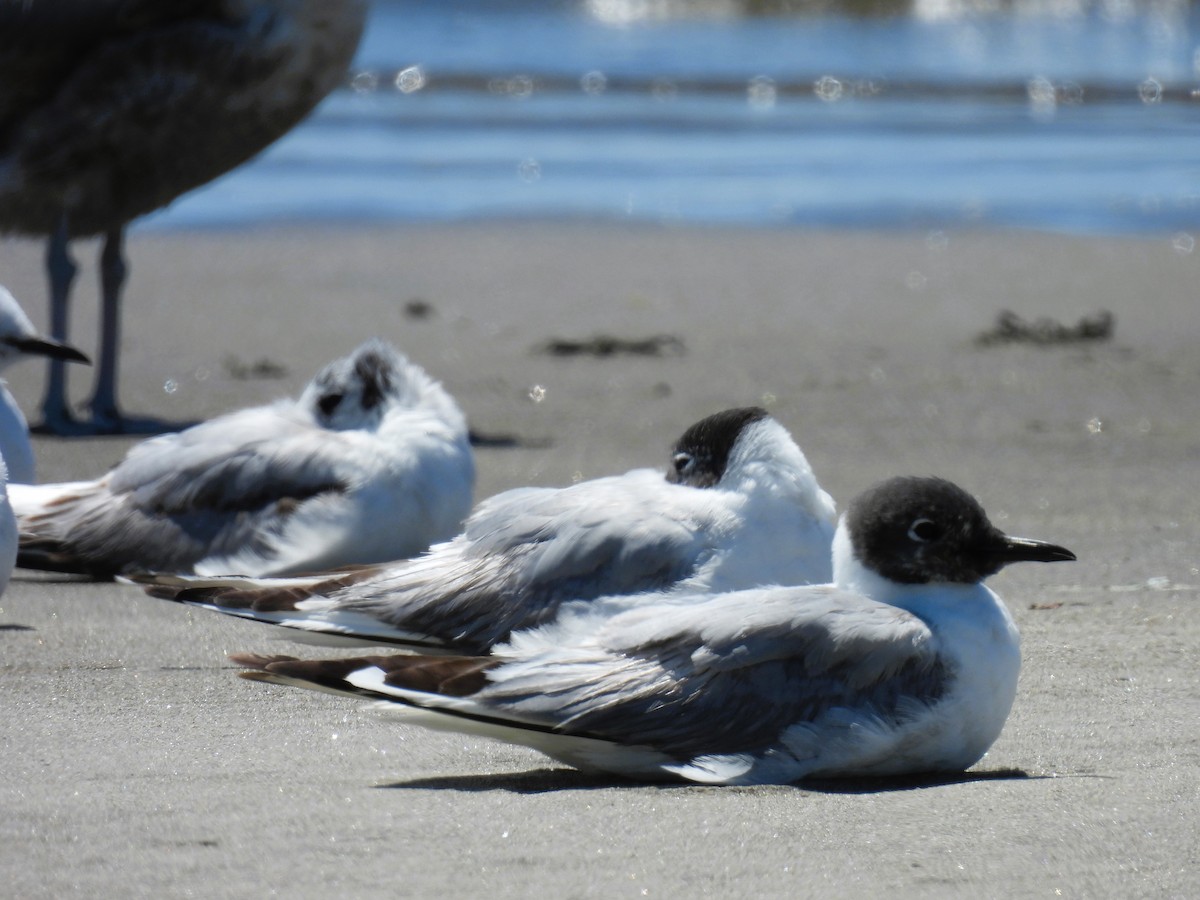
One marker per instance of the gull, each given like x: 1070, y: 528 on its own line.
x: 738, y: 507
x: 20, y: 340
x: 110, y: 109
x: 372, y: 462
x: 906, y: 663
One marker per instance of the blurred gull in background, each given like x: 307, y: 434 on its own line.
x: 110, y: 109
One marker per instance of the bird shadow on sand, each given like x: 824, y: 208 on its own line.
x: 539, y: 781
x: 128, y: 426
x: 535, y: 781
x: 40, y: 576
x: 909, y: 782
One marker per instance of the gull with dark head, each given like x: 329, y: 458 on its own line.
x: 739, y: 507
x: 906, y: 663
x: 371, y: 463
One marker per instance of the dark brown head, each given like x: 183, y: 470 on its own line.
x: 925, y: 530
x: 701, y: 454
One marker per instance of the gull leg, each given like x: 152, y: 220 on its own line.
x: 113, y: 270
x: 61, y: 269
x: 106, y: 415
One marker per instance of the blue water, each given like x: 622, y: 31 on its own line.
x: 1073, y: 122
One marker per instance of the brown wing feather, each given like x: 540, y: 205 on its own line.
x: 450, y: 676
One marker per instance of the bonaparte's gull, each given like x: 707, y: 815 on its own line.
x: 110, y: 110
x: 20, y: 340
x: 739, y: 508
x: 371, y: 463
x: 906, y: 663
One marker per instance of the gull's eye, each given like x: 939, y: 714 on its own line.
x: 328, y: 403
x: 924, y: 530
x: 683, y: 462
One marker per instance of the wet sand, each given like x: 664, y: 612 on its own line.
x: 137, y: 764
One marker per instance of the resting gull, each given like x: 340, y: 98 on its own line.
x: 739, y: 508
x: 906, y: 663
x: 372, y: 462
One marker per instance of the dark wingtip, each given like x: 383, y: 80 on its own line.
x: 47, y: 555
x: 454, y: 676
x: 162, y: 592
x: 258, y: 661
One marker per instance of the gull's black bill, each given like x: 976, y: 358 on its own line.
x: 1015, y: 549
x: 44, y: 346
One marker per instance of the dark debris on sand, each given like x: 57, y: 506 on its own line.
x: 419, y: 309
x: 259, y: 369
x: 1012, y: 329
x: 605, y: 345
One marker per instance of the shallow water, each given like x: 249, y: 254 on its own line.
x: 1054, y: 119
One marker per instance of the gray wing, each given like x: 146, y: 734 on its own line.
x: 723, y: 675
x: 523, y: 555
x: 527, y: 552
x: 618, y: 531
x: 236, y: 463
x: 209, y: 491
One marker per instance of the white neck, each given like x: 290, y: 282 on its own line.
x: 850, y: 574
x: 766, y: 459
x: 424, y: 393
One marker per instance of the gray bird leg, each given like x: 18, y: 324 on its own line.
x: 61, y: 268
x: 112, y: 278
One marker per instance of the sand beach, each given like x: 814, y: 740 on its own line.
x: 138, y: 765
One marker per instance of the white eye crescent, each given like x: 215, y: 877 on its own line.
x: 683, y: 462
x: 924, y: 530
